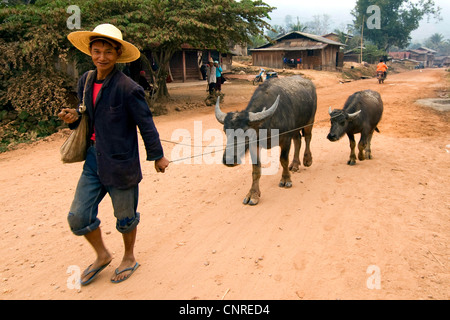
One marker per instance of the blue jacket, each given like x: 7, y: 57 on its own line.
x: 218, y: 71
x: 119, y: 109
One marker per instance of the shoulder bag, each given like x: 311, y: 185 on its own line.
x: 75, y: 147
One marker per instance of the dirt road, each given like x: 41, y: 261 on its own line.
x: 377, y: 230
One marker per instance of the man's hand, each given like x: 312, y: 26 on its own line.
x: 161, y: 164
x: 68, y: 115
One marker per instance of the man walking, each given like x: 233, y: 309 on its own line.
x: 116, y: 107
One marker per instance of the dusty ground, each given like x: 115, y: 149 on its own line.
x: 337, y: 229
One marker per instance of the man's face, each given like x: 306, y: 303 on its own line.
x: 104, y: 56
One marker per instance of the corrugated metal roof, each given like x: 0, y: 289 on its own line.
x: 297, y: 41
x: 286, y: 47
x: 319, y: 38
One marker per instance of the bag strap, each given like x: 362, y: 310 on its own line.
x: 82, y: 107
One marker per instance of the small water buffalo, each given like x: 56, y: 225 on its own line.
x: 361, y: 114
x: 284, y: 104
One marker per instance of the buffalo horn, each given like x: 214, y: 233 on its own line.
x: 353, y: 115
x: 220, y: 116
x: 262, y: 115
x: 329, y: 110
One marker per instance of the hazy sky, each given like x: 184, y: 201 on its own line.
x: 339, y: 11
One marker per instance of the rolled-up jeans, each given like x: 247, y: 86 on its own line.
x: 90, y: 192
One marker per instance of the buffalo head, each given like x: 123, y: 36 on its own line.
x: 241, y: 130
x: 340, y: 121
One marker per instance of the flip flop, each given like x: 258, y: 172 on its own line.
x: 132, y: 269
x: 95, y: 271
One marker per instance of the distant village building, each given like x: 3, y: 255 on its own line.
x: 299, y: 50
x: 403, y: 57
x: 332, y: 36
x: 186, y: 64
x: 353, y: 55
x: 335, y: 37
x: 423, y: 55
x: 442, y: 61
x: 400, y: 55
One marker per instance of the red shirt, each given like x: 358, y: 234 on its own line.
x: 97, y: 87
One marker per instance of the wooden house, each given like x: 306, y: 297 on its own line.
x: 186, y: 64
x: 423, y: 55
x: 400, y: 55
x: 299, y: 50
x: 442, y: 61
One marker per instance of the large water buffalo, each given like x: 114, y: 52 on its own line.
x: 281, y: 105
x: 361, y: 114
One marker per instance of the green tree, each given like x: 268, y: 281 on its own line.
x: 33, y: 40
x: 298, y: 26
x: 320, y: 24
x: 279, y: 30
x: 372, y: 54
x: 344, y: 37
x: 165, y: 25
x: 398, y: 19
x: 257, y: 41
x: 275, y: 31
x: 437, y: 42
x: 434, y: 41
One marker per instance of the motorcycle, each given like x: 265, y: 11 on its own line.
x: 259, y: 77
x: 381, y: 76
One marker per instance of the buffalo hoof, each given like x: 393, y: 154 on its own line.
x: 285, y: 184
x: 294, y: 166
x: 351, y: 162
x: 361, y: 157
x: 251, y: 202
x: 368, y: 155
x: 307, y: 161
x: 251, y: 199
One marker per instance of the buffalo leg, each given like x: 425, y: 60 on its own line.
x: 295, y: 164
x: 252, y: 197
x: 362, y: 146
x: 307, y: 157
x: 284, y: 160
x: 352, y: 160
x: 368, y: 151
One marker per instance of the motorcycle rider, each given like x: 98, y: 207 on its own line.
x: 382, y: 67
